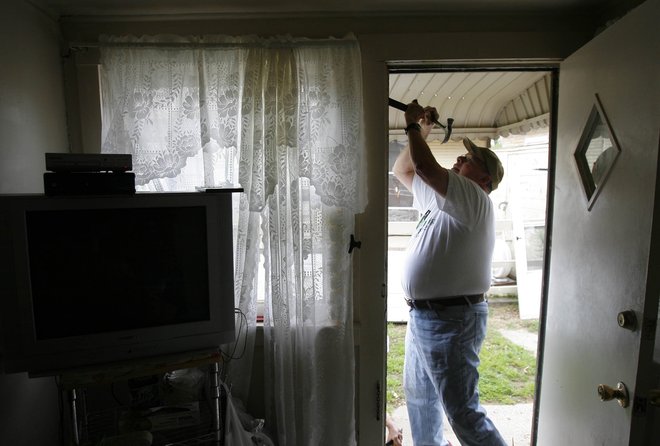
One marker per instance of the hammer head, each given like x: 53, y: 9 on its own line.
x: 448, y: 127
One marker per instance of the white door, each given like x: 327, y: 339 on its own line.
x: 527, y: 191
x: 605, y: 252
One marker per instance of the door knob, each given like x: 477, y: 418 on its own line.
x: 620, y: 393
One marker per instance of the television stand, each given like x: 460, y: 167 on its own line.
x: 72, y: 381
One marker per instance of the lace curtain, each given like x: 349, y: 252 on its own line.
x: 282, y: 118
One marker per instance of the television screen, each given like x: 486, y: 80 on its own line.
x: 105, y: 279
x: 107, y: 270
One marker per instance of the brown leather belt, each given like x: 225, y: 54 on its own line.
x: 439, y: 304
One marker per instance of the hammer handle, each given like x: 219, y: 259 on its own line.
x: 401, y: 106
x: 398, y: 105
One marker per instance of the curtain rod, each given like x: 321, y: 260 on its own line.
x: 211, y: 45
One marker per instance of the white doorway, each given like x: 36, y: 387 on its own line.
x: 521, y: 206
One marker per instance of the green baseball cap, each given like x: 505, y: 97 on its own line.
x: 492, y: 162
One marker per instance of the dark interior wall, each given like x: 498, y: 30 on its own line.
x: 382, y: 39
x: 32, y: 119
x: 32, y: 122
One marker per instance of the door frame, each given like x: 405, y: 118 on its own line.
x: 551, y: 66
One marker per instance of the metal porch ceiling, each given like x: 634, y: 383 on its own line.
x: 482, y: 104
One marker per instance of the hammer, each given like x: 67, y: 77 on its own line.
x: 450, y: 121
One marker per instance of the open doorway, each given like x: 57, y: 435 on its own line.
x: 509, y: 111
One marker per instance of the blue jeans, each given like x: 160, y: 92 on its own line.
x: 440, y: 375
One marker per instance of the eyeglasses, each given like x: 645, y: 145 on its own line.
x: 470, y: 158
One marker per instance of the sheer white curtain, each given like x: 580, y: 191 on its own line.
x: 281, y: 117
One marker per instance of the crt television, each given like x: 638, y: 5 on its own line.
x: 105, y: 279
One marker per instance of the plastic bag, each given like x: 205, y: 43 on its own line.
x: 235, y: 434
x: 181, y: 386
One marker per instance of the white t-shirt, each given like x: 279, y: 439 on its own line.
x: 451, y: 249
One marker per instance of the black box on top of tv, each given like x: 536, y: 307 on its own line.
x: 88, y: 183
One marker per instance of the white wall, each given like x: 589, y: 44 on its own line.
x: 32, y: 119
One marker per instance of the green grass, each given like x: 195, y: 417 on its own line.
x: 507, y: 371
x: 397, y: 334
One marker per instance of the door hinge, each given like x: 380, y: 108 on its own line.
x: 378, y: 398
x: 648, y: 328
x: 639, y: 406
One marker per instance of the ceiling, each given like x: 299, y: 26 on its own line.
x: 499, y: 7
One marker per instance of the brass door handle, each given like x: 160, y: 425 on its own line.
x: 620, y: 393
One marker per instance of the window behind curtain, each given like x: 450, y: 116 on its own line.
x: 282, y: 118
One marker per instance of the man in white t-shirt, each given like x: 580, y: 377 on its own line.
x: 446, y: 273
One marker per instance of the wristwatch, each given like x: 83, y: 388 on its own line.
x: 413, y: 126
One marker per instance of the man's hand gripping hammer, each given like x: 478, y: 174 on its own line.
x: 450, y: 121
